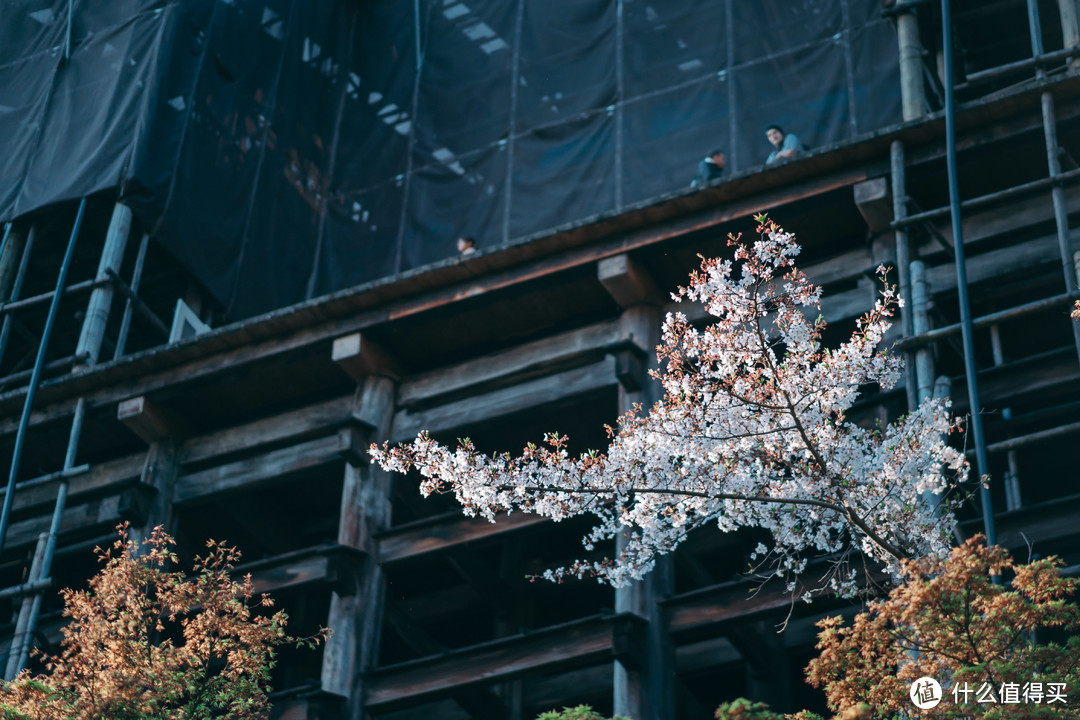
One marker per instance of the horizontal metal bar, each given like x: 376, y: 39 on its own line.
x: 984, y: 76
x: 988, y: 199
x: 26, y: 588
x: 137, y: 302
x: 42, y: 479
x: 46, y: 297
x: 917, y: 341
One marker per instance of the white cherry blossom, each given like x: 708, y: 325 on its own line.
x: 751, y: 432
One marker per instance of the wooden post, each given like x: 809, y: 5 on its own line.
x: 645, y: 691
x: 356, y: 612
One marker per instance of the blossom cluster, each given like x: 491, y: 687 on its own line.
x: 751, y: 432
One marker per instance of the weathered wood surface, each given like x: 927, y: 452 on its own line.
x: 249, y: 473
x: 326, y: 564
x: 500, y: 403
x: 627, y: 281
x: 287, y: 427
x: 149, y: 420
x: 356, y: 605
x: 410, y: 542
x: 93, y: 517
x: 1045, y: 522
x: 101, y: 478
x: 360, y: 356
x: 561, y: 647
x: 516, y: 364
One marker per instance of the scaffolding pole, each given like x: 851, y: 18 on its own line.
x: 35, y: 378
x: 966, y: 330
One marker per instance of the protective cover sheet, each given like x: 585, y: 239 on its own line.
x: 283, y: 149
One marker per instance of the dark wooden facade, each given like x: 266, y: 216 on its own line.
x: 256, y: 432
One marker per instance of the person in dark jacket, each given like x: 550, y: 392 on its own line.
x: 709, y: 169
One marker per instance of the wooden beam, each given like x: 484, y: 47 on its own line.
x: 627, y: 281
x: 259, y: 339
x: 301, y: 424
x: 422, y: 538
x: 874, y: 201
x: 322, y: 564
x: 500, y: 403
x: 523, y: 362
x: 89, y: 518
x: 101, y: 478
x: 250, y: 473
x: 150, y: 420
x: 361, y: 357
x: 560, y: 647
x: 1047, y: 522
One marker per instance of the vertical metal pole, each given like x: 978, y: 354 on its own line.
x: 903, y: 262
x: 100, y: 303
x: 35, y: 377
x: 45, y: 562
x: 1061, y: 213
x: 16, y: 289
x: 136, y: 278
x: 924, y: 359
x: 1035, y: 29
x: 966, y: 330
x: 18, y: 639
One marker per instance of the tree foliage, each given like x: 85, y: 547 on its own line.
x: 752, y: 431
x: 145, y: 643
x: 950, y: 621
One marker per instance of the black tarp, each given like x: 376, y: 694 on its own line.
x: 283, y: 149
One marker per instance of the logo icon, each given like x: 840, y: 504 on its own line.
x: 925, y: 693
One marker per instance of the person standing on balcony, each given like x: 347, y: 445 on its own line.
x: 709, y: 169
x: 785, y: 144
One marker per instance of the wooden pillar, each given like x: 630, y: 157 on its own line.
x: 162, y: 431
x: 645, y: 692
x: 356, y: 609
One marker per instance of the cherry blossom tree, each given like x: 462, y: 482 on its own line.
x: 752, y: 431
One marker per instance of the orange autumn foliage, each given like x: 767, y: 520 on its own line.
x: 146, y: 643
x: 951, y: 622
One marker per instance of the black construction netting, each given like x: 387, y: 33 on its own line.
x: 283, y: 149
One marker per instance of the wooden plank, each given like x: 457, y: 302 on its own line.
x: 520, y: 363
x: 290, y: 426
x: 251, y: 472
x: 500, y: 403
x: 295, y: 569
x: 398, y: 545
x: 561, y: 647
x: 1045, y: 522
x: 101, y: 478
x: 88, y: 518
x: 1006, y: 261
